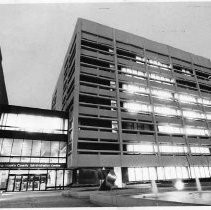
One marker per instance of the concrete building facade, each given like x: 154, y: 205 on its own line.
x: 136, y: 106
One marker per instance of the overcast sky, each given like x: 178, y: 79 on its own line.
x: 34, y: 38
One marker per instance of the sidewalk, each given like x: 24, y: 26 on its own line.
x: 41, y: 200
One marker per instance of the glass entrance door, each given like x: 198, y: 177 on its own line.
x: 27, y: 182
x: 11, y: 182
x: 30, y: 182
x: 43, y: 182
x: 37, y: 182
x: 24, y: 182
x: 17, y: 183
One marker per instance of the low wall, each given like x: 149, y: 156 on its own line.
x: 126, y: 201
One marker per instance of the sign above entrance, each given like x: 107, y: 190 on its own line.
x: 32, y: 165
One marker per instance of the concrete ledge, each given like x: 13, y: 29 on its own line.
x: 126, y: 201
x: 80, y: 192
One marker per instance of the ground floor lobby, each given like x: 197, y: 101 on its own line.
x: 34, y: 179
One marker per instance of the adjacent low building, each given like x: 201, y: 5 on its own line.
x: 33, y: 146
x: 136, y: 106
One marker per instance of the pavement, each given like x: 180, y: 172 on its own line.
x: 191, y: 197
x: 41, y: 199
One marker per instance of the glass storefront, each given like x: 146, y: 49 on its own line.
x: 33, y: 123
x: 34, y: 180
x: 32, y: 151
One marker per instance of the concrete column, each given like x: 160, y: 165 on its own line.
x: 118, y: 173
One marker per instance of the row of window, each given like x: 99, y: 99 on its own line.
x: 153, y: 76
x: 150, y: 148
x: 54, y: 177
x: 32, y: 148
x: 165, y: 80
x: 131, y: 52
x: 161, y: 110
x: 24, y: 159
x: 167, y: 173
x: 33, y: 123
x: 164, y: 94
x: 187, y: 130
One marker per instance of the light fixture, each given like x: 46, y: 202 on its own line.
x: 179, y: 185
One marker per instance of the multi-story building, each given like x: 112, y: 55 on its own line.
x: 3, y: 92
x: 136, y: 106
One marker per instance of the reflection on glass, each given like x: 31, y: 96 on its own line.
x: 1, y: 141
x: 26, y: 148
x: 45, y: 149
x: 62, y: 147
x: 3, y: 178
x: 59, y: 179
x: 54, y: 160
x: 10, y: 183
x: 51, y: 178
x: 67, y: 177
x: 139, y: 173
x: 44, y: 160
x: 6, y: 147
x: 35, y: 160
x: 4, y: 159
x: 16, y: 147
x: 161, y: 174
x: 25, y: 160
x: 62, y: 160
x: 15, y: 159
x: 36, y: 146
x: 54, y: 149
x: 33, y: 123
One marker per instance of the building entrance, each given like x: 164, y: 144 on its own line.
x: 26, y: 182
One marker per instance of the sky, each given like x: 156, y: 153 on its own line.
x: 34, y: 38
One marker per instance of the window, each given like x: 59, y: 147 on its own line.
x: 162, y: 94
x: 134, y: 88
x: 143, y: 148
x: 170, y: 172
x: 26, y: 148
x: 6, y: 147
x: 136, y: 107
x: 33, y: 123
x: 161, y: 174
x: 193, y: 114
x: 138, y: 174
x: 17, y: 146
x: 170, y: 129
x: 36, y: 146
x: 199, y: 150
x: 54, y: 149
x: 172, y: 149
x: 166, y: 111
x: 196, y: 131
x: 45, y: 149
x: 161, y: 78
x: 185, y: 98
x: 152, y: 173
x: 62, y: 149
